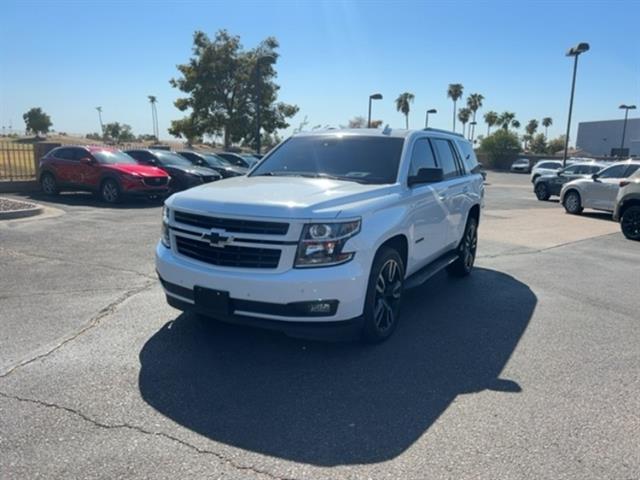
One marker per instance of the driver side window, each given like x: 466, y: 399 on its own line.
x: 617, y: 171
x: 421, y: 156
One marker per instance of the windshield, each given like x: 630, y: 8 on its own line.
x: 215, y: 161
x: 356, y: 158
x: 112, y: 156
x: 170, y: 158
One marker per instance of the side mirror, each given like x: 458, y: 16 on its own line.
x: 559, y: 173
x: 87, y: 161
x: 426, y: 175
x: 595, y: 177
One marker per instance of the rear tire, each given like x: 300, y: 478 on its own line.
x: 572, y: 202
x: 466, y: 250
x: 542, y: 191
x: 384, y: 295
x: 48, y: 184
x: 630, y: 223
x: 110, y: 191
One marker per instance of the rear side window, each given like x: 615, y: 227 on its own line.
x: 446, y: 160
x: 64, y: 153
x: 421, y: 156
x: 469, y: 158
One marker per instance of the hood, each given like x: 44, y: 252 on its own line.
x: 278, y: 197
x: 144, y: 170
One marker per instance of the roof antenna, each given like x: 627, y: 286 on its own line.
x: 387, y: 130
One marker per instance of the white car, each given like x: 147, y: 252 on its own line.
x: 599, y: 191
x: 545, y: 167
x: 324, y: 234
x: 521, y: 165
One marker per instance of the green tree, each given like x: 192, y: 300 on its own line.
x: 221, y: 80
x: 539, y: 144
x: 454, y: 92
x: 403, y: 105
x: 526, y: 138
x: 474, y: 102
x: 37, y: 121
x: 358, y: 122
x: 505, y: 119
x: 491, y: 119
x: 531, y: 127
x: 118, y: 132
x: 556, y: 145
x: 501, y: 148
x: 187, y: 128
x: 515, y: 124
x: 546, y: 123
x: 464, y: 114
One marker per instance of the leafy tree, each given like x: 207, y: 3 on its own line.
x: 501, y: 148
x: 454, y: 92
x: 403, y: 104
x: 302, y: 125
x: 358, y: 122
x: 474, y: 103
x: 546, y: 123
x: 37, y: 121
x: 538, y: 144
x: 556, y: 145
x: 93, y: 136
x: 464, y: 114
x: 491, y: 119
x: 118, y: 132
x: 515, y: 124
x: 531, y: 127
x: 376, y: 123
x: 505, y: 119
x: 187, y: 128
x: 221, y: 80
x: 526, y: 138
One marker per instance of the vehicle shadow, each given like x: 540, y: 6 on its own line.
x: 87, y: 199
x: 339, y: 403
x: 607, y: 216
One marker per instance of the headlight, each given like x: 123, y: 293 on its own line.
x: 164, y: 232
x: 321, y: 244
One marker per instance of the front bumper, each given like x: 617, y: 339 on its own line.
x: 266, y: 295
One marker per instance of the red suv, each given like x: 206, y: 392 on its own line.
x: 103, y: 170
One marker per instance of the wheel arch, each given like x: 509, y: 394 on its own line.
x: 627, y: 202
x: 399, y: 243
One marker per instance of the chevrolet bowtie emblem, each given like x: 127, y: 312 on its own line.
x: 216, y: 239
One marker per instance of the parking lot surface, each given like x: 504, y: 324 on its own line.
x: 528, y: 369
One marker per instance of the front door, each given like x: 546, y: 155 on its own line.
x: 601, y: 193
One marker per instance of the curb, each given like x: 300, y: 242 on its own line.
x: 22, y: 213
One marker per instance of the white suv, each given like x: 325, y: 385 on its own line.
x: 323, y: 235
x: 598, y: 191
x: 627, y: 210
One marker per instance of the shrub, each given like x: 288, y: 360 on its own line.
x: 501, y: 149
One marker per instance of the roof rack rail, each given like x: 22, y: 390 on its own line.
x: 429, y: 129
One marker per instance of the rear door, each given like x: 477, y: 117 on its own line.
x: 64, y: 165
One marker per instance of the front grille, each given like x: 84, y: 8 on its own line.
x: 232, y: 225
x: 155, y: 181
x: 229, y: 256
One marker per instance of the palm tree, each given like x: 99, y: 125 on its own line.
x: 531, y: 127
x: 546, y: 123
x: 403, y: 105
x: 515, y: 124
x: 154, y: 115
x: 464, y: 114
x: 491, y: 119
x: 474, y: 102
x: 454, y: 92
x: 505, y: 119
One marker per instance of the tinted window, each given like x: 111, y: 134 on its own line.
x: 140, y: 155
x: 170, y: 158
x: 358, y: 158
x: 192, y: 157
x: 549, y: 165
x: 64, y: 153
x: 446, y: 160
x: 572, y: 170
x: 616, y: 171
x: 112, y: 157
x: 468, y: 156
x: 234, y: 159
x: 421, y: 156
x: 631, y: 170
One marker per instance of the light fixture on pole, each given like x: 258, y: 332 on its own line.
x: 626, y: 109
x: 426, y: 119
x: 575, y: 53
x: 375, y: 96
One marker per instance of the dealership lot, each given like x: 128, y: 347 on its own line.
x: 527, y: 369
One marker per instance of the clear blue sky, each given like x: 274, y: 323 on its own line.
x: 70, y: 56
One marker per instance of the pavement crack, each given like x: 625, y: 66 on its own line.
x: 144, y: 431
x: 93, y: 321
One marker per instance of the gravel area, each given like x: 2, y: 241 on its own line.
x: 7, y: 205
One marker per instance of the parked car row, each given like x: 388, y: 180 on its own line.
x: 114, y: 174
x: 611, y: 188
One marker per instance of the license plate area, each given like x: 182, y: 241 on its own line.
x: 213, y: 301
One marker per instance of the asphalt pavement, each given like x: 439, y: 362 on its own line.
x: 528, y: 369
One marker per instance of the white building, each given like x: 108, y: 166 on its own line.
x: 598, y: 138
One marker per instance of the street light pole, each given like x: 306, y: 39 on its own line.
x: 99, y: 109
x: 426, y: 120
x: 573, y: 52
x: 473, y: 130
x: 626, y: 109
x: 266, y: 59
x: 375, y: 96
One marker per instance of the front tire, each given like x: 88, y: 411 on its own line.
x: 542, y: 192
x: 630, y: 223
x: 573, y: 203
x: 384, y: 295
x: 48, y: 184
x: 110, y: 192
x: 466, y: 250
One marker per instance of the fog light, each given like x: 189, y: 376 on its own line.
x: 317, y: 308
x: 323, y: 307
